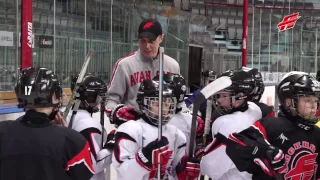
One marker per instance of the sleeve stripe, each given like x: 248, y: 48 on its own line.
x: 219, y: 140
x: 231, y: 137
x: 82, y: 157
x: 119, y: 136
x: 257, y: 125
x: 116, y: 67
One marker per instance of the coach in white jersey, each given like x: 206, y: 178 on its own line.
x: 94, y: 89
x: 239, y: 114
x: 131, y: 70
x: 137, y: 147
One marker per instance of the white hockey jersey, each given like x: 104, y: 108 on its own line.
x: 91, y: 129
x: 132, y: 136
x: 183, y: 122
x: 216, y: 163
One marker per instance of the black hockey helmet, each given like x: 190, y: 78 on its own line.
x: 148, y: 101
x: 241, y: 88
x: 293, y: 86
x: 208, y: 76
x: 259, y: 85
x: 177, y: 83
x: 92, y: 90
x: 35, y: 88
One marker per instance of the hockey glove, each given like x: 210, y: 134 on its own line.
x: 273, y: 161
x: 200, y: 127
x: 148, y: 156
x: 121, y: 114
x: 188, y: 168
x: 110, y: 143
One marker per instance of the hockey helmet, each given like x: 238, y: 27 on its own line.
x: 208, y: 76
x: 35, y: 88
x: 92, y: 90
x: 241, y: 88
x: 177, y: 83
x: 148, y: 101
x: 256, y: 94
x: 292, y: 87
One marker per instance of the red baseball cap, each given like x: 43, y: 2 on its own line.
x: 150, y: 28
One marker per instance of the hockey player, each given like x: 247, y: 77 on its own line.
x: 258, y: 92
x: 181, y: 119
x: 137, y: 147
x: 287, y: 144
x: 35, y: 148
x: 238, y: 114
x: 91, y: 93
x: 207, y: 77
x: 131, y: 70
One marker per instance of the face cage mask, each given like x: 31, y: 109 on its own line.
x: 92, y: 105
x: 151, y: 109
x: 227, y: 95
x: 310, y: 119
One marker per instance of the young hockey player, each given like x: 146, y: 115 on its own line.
x: 238, y: 114
x: 131, y: 70
x: 287, y: 145
x: 92, y: 92
x: 181, y: 119
x: 137, y: 150
x: 34, y: 148
x: 258, y: 92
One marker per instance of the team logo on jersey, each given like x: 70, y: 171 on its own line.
x: 300, y: 161
x: 283, y: 138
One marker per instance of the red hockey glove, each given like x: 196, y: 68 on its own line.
x: 188, y: 168
x: 200, y: 127
x: 148, y: 156
x: 121, y: 114
x: 272, y: 163
x: 110, y: 143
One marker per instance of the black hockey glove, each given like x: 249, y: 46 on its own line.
x: 121, y: 114
x: 272, y: 161
x: 147, y: 156
x: 110, y: 143
x: 246, y: 153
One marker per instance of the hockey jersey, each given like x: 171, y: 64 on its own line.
x: 183, y: 122
x: 216, y: 163
x: 132, y: 136
x: 34, y: 148
x: 91, y: 129
x: 301, y: 148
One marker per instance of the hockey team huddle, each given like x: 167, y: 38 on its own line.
x: 245, y: 139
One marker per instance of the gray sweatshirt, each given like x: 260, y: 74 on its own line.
x: 129, y: 72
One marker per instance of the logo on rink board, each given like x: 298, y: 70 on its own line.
x: 288, y: 22
x: 45, y: 41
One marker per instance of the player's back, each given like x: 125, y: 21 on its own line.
x: 35, y: 148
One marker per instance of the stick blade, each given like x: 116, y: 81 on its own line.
x: 216, y: 86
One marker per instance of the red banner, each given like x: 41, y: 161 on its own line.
x: 26, y: 34
x: 245, y: 33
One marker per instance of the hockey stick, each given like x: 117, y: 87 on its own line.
x: 212, y: 88
x: 102, y: 106
x: 208, y: 118
x: 75, y: 94
x: 161, y: 51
